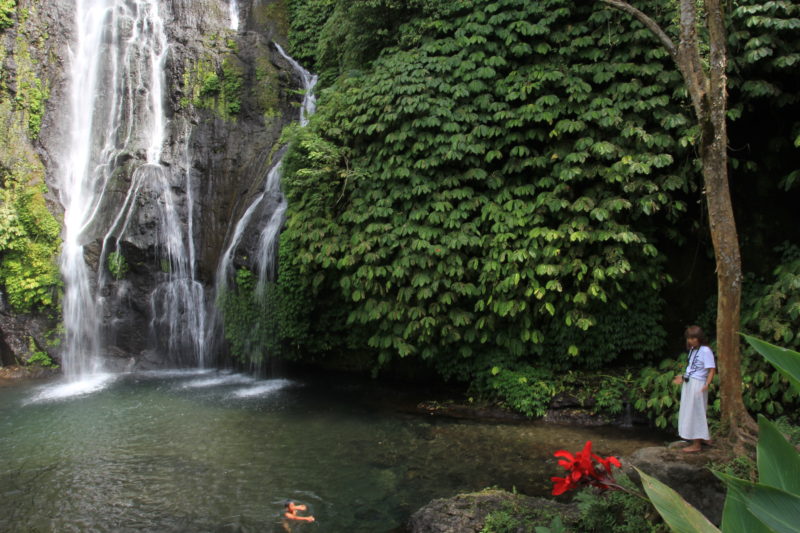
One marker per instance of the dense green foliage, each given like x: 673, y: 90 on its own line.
x: 29, y: 242
x: 244, y: 328
x: 617, y: 511
x: 501, y: 190
x: 765, y: 47
x: 275, y: 319
x: 475, y: 194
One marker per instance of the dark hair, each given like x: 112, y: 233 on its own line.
x: 696, y: 332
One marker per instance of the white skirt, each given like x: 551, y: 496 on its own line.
x: 692, y: 422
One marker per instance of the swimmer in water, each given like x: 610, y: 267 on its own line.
x: 291, y: 514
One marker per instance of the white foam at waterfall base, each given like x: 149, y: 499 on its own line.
x: 262, y: 388
x: 70, y: 389
x: 174, y: 372
x: 220, y: 380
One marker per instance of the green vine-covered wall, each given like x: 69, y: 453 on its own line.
x: 501, y: 189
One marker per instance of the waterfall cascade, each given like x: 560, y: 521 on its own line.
x: 125, y: 182
x: 233, y: 9
x: 268, y: 237
x: 118, y: 128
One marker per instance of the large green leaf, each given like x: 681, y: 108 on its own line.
x: 737, y: 519
x: 679, y: 515
x: 785, y: 360
x: 774, y: 507
x: 778, y: 460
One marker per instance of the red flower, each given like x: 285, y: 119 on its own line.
x: 562, y: 485
x: 582, y: 471
x: 607, y: 463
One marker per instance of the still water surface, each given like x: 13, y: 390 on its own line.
x: 216, y: 452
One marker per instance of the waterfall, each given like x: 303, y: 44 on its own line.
x: 265, y: 260
x: 268, y: 239
x: 118, y: 127
x: 233, y: 8
x: 78, y: 193
x: 225, y: 267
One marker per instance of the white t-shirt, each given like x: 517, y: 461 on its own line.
x: 700, y: 360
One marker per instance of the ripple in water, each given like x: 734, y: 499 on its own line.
x: 69, y: 389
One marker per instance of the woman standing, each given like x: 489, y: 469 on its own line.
x: 700, y: 370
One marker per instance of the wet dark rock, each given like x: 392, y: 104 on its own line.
x: 561, y: 411
x: 470, y: 412
x: 16, y: 372
x: 466, y: 513
x: 686, y: 473
x: 18, y: 330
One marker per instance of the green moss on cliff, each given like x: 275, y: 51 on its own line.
x: 29, y: 233
x: 220, y: 82
x: 275, y: 14
x: 213, y: 84
x: 266, y: 89
x: 31, y: 93
x: 7, y: 8
x: 117, y: 265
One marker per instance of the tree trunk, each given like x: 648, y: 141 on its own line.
x: 729, y: 276
x: 707, y: 89
x: 714, y: 154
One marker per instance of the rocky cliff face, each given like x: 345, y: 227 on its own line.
x: 229, y: 93
x: 30, y: 72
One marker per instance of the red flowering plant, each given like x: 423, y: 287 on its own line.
x: 585, y: 468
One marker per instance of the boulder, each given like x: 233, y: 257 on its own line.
x: 19, y: 332
x: 687, y: 473
x: 466, y: 513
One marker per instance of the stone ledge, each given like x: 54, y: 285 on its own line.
x: 18, y: 372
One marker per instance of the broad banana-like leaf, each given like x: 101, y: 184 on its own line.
x: 775, y: 508
x: 679, y: 514
x: 737, y: 519
x: 778, y: 460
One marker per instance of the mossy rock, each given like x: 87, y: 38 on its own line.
x: 468, y: 513
x: 273, y: 14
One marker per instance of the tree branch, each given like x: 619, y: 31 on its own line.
x: 690, y: 62
x: 651, y: 24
